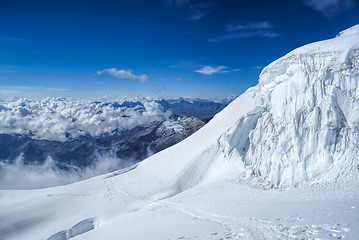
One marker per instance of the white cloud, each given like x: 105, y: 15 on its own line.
x: 255, y: 29
x: 329, y: 7
x: 58, y: 119
x: 209, y: 70
x: 120, y: 73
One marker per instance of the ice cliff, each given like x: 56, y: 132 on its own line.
x: 307, y: 130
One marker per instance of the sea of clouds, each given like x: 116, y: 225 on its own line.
x: 59, y: 119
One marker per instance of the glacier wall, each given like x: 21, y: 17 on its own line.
x: 308, y: 130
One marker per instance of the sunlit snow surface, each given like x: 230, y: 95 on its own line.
x: 100, y: 209
x: 280, y: 162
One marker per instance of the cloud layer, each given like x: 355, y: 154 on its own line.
x: 209, y: 70
x: 120, y: 73
x: 60, y: 119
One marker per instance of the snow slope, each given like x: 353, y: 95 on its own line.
x: 295, y: 133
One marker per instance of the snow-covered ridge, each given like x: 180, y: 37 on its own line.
x: 352, y: 30
x: 317, y: 56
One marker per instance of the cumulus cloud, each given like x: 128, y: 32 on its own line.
x: 263, y: 29
x: 329, y: 7
x: 209, y: 70
x: 120, y: 73
x: 59, y: 119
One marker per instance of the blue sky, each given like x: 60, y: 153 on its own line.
x: 159, y: 48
